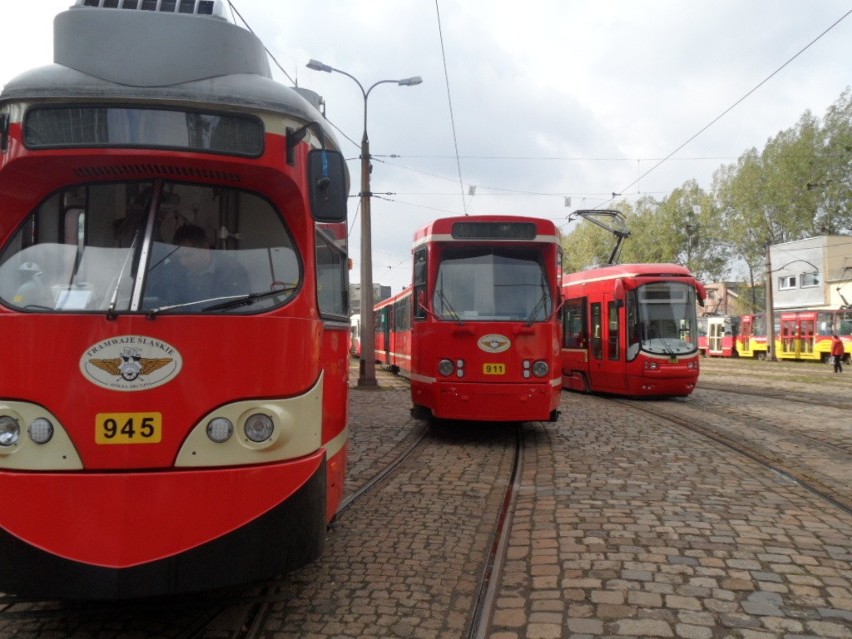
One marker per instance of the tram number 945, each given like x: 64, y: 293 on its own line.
x: 128, y: 428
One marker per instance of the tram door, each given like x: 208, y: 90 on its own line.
x: 789, y: 334
x: 746, y: 333
x: 715, y: 335
x: 606, y: 365
x: 807, y: 332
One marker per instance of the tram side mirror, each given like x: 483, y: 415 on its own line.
x: 329, y: 185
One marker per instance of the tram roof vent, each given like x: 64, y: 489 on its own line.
x: 197, y: 7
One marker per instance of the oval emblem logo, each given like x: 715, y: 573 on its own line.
x: 494, y: 343
x: 131, y: 363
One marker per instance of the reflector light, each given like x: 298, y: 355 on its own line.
x: 220, y: 430
x: 10, y: 430
x: 40, y: 430
x: 258, y: 427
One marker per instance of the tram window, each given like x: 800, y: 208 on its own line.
x: 614, y: 335
x: 506, y: 284
x: 332, y: 278
x: 597, y: 331
x: 574, y: 323
x: 58, y: 127
x: 661, y: 320
x: 419, y: 283
x: 113, y: 251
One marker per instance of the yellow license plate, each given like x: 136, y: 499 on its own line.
x: 494, y: 369
x: 128, y: 428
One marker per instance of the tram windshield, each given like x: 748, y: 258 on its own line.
x: 661, y: 319
x: 492, y: 283
x: 152, y: 247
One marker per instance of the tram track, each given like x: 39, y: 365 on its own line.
x: 786, y: 395
x: 785, y: 467
x: 487, y: 589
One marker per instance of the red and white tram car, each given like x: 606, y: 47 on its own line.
x: 173, y: 310
x: 631, y: 329
x: 717, y: 335
x: 477, y: 331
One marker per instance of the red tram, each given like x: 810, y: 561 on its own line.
x: 477, y: 331
x: 631, y: 329
x: 173, y: 310
x: 717, y: 335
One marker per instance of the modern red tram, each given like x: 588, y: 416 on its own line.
x: 477, y: 331
x: 173, y: 310
x: 631, y: 329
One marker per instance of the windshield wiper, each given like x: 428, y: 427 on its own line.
x: 538, y: 306
x: 249, y: 299
x: 453, y: 315
x: 113, y: 300
x: 224, y: 302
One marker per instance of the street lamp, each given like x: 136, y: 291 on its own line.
x: 367, y: 363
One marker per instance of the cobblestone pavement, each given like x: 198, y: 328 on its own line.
x: 626, y: 525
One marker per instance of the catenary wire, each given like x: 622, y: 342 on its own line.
x: 450, y: 103
x: 734, y: 105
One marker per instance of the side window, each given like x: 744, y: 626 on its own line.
x: 634, y: 335
x: 575, y: 331
x: 332, y: 280
x: 614, y: 332
x: 597, y: 331
x: 419, y: 283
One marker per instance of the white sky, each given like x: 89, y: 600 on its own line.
x: 551, y: 98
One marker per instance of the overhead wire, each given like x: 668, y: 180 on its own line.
x: 265, y: 48
x: 734, y: 105
x: 450, y: 102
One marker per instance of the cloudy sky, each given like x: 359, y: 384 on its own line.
x: 525, y: 104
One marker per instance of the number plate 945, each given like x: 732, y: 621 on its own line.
x: 128, y: 428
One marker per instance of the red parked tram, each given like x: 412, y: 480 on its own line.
x: 631, y: 329
x: 172, y: 411
x: 477, y: 331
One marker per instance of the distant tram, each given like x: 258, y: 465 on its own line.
x: 477, y: 332
x: 173, y: 310
x: 631, y: 329
x: 799, y: 335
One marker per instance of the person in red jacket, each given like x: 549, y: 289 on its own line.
x: 837, y: 352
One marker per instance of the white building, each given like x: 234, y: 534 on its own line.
x: 815, y: 273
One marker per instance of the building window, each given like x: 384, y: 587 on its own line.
x: 787, y: 282
x: 810, y: 279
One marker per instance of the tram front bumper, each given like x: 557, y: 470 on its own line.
x: 496, y: 402
x: 108, y: 535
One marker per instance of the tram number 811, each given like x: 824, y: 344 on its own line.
x: 128, y: 428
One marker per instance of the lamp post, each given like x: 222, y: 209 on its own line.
x: 367, y: 363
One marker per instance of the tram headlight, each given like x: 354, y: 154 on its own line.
x: 10, y: 431
x: 258, y: 427
x: 220, y: 430
x: 40, y: 430
x: 445, y: 367
x: 540, y: 368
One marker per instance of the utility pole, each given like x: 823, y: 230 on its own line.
x: 770, y: 317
